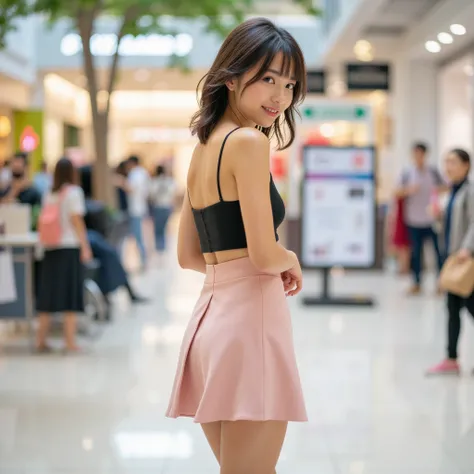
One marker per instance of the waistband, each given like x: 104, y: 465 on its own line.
x: 231, y: 270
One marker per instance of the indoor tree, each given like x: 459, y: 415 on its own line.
x: 220, y: 16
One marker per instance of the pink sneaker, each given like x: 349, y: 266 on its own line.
x: 447, y: 367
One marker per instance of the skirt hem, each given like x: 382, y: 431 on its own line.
x: 239, y: 418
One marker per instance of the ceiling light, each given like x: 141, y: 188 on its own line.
x: 457, y: 29
x: 433, y: 46
x: 364, y: 50
x: 445, y: 38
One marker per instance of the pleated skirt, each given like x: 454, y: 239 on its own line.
x: 61, y: 282
x: 237, y: 359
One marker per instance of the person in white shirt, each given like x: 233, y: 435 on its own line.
x: 162, y: 197
x: 61, y: 282
x: 137, y: 188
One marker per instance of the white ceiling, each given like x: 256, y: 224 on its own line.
x: 395, y: 16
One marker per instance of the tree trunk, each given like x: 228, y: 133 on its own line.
x: 101, y: 175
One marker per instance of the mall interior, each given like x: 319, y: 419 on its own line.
x: 383, y: 75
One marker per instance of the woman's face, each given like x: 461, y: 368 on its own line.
x: 456, y: 169
x: 264, y: 101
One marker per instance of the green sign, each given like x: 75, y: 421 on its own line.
x: 324, y: 113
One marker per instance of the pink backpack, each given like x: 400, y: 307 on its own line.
x: 49, y: 222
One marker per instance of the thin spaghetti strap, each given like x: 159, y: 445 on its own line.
x: 219, y: 164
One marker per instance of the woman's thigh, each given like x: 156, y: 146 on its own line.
x: 213, y: 435
x: 251, y: 447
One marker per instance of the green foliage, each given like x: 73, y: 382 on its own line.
x: 140, y: 16
x: 10, y: 10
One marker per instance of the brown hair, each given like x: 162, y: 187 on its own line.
x: 64, y: 173
x: 256, y: 41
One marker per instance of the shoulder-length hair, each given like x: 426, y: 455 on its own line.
x: 64, y: 173
x: 255, y: 42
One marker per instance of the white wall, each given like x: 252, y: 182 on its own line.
x: 455, y: 114
x: 17, y: 61
x: 414, y: 110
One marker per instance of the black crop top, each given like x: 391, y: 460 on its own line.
x: 220, y: 226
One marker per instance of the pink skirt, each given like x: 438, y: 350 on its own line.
x: 237, y: 359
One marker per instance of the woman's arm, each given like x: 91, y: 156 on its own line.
x: 190, y: 255
x: 79, y: 226
x: 251, y: 167
x: 76, y: 207
x: 468, y: 241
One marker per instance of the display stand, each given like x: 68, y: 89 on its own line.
x: 325, y: 298
x: 338, y: 216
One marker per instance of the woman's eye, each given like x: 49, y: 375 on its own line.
x: 291, y: 86
x: 269, y: 80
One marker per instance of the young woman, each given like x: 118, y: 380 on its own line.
x: 237, y: 373
x: 459, y: 241
x: 162, y: 196
x: 61, y: 283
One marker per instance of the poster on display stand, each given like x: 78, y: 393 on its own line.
x: 338, y: 214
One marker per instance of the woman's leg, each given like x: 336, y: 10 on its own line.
x: 454, y: 304
x: 469, y: 303
x: 251, y: 447
x: 70, y: 331
x: 213, y: 435
x: 160, y: 217
x: 44, y: 322
x: 404, y: 257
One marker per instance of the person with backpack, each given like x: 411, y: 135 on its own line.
x: 419, y: 187
x: 63, y: 235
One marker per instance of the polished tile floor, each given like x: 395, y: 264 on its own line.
x: 371, y: 409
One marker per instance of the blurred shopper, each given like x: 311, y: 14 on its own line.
x: 237, y: 374
x: 401, y: 237
x: 63, y: 234
x: 43, y: 180
x: 121, y: 173
x: 459, y: 240
x: 5, y: 175
x: 162, y: 198
x: 110, y: 275
x: 137, y: 187
x: 419, y: 187
x: 20, y: 188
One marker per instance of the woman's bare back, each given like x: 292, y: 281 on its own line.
x: 203, y: 187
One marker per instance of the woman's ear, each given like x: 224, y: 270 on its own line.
x: 231, y: 84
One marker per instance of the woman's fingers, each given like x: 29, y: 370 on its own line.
x: 299, y: 287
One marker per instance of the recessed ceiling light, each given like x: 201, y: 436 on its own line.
x: 445, y: 38
x: 433, y: 46
x: 457, y: 29
x: 363, y: 50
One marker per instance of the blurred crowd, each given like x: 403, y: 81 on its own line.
x: 82, y: 237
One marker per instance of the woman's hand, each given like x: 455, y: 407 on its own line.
x: 292, y: 279
x: 463, y: 255
x: 86, y: 254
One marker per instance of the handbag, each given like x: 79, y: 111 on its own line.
x: 457, y: 277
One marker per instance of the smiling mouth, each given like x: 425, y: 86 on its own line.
x: 270, y: 111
